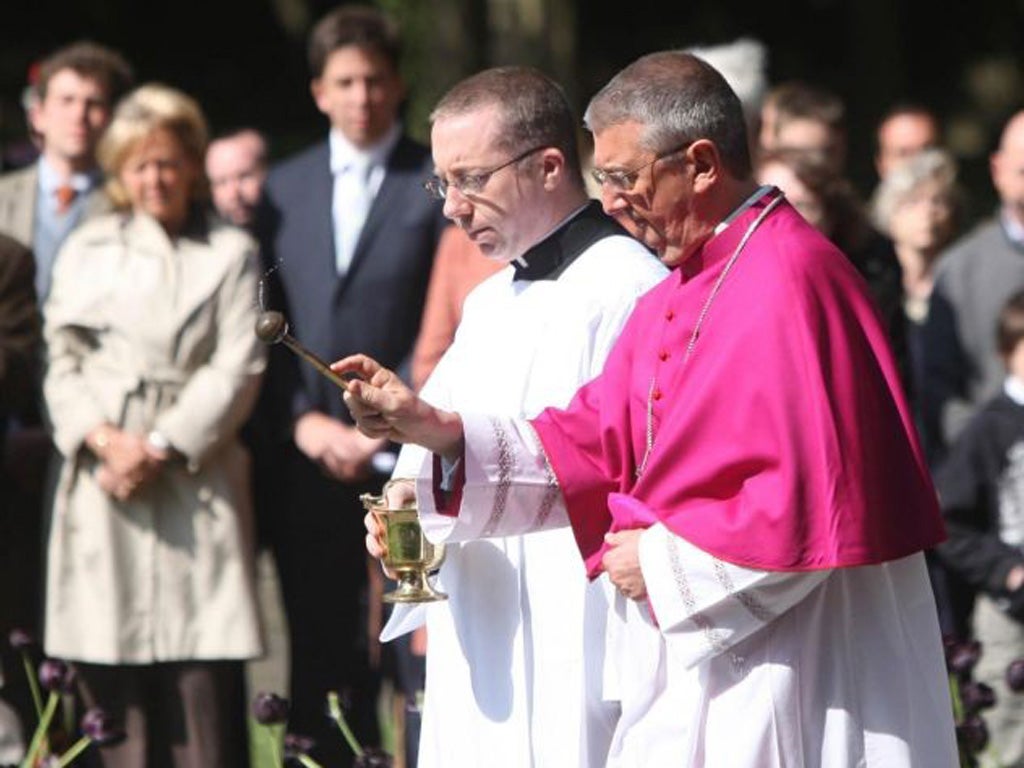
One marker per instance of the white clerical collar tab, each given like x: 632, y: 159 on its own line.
x: 758, y: 194
x: 551, y: 256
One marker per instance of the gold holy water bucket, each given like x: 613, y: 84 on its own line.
x: 410, y: 556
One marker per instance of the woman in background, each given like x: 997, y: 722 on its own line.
x: 152, y: 368
x: 918, y: 206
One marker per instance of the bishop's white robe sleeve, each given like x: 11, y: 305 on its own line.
x: 705, y: 606
x: 508, y: 489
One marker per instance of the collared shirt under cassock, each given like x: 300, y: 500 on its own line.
x: 785, y: 506
x: 511, y: 682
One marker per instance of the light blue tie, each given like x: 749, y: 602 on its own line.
x: 352, y: 204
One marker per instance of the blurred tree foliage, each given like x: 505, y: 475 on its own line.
x: 245, y: 59
x: 447, y: 40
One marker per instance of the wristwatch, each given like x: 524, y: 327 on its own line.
x: 98, y: 441
x: 159, y: 442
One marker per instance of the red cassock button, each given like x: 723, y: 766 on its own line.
x: 656, y: 394
x: 663, y: 355
x: 669, y: 315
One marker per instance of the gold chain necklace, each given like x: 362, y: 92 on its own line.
x: 700, y: 322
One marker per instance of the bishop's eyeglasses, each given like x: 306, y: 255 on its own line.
x: 471, y: 183
x: 625, y: 180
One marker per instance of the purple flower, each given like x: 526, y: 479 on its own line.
x: 977, y: 696
x: 961, y: 657
x: 373, y: 758
x: 295, y: 744
x: 1015, y: 675
x: 270, y: 709
x: 100, y: 726
x: 972, y: 734
x: 21, y: 639
x: 56, y: 675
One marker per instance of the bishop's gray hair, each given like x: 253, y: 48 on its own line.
x: 678, y: 98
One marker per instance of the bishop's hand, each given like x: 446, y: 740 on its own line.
x: 622, y: 563
x: 383, y: 406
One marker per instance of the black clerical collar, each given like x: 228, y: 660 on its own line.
x: 549, y: 258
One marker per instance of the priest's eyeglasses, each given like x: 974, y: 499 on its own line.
x: 471, y: 183
x: 624, y: 181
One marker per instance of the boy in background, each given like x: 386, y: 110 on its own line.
x: 981, y: 490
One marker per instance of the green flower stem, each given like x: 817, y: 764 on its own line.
x: 954, y: 694
x: 274, y: 737
x: 41, y: 730
x: 33, y: 683
x: 334, y: 707
x: 67, y: 709
x: 74, y: 751
x: 308, y: 761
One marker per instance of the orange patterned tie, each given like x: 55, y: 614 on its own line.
x: 66, y: 195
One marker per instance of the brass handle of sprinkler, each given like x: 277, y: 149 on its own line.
x: 272, y: 328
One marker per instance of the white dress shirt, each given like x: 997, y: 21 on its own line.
x: 358, y: 174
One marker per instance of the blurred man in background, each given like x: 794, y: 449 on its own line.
x: 236, y: 164
x: 904, y: 130
x: 352, y: 237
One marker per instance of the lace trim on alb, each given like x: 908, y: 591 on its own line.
x: 754, y: 606
x: 506, y: 463
x: 715, y: 637
x: 552, y: 492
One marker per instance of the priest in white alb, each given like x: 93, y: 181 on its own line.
x: 519, y: 644
x: 744, y: 469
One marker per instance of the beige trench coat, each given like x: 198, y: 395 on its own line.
x: 147, y: 334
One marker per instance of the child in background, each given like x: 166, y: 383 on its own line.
x: 981, y: 490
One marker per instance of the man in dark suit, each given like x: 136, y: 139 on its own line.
x: 353, y: 234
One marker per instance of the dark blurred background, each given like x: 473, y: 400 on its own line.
x: 245, y: 59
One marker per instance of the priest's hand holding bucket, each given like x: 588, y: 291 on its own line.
x: 397, y: 494
x: 395, y: 536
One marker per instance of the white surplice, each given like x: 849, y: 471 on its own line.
x: 742, y: 668
x: 515, y: 656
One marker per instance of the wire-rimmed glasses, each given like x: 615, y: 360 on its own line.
x: 625, y: 180
x: 471, y: 183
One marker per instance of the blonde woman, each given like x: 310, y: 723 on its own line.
x: 152, y: 368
